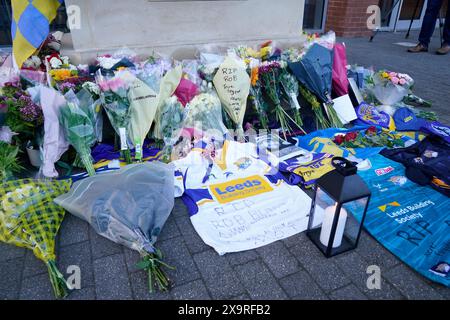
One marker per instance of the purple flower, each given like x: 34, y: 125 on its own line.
x: 30, y: 111
x: 66, y: 86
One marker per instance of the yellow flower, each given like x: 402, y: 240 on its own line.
x: 60, y: 74
x: 255, y: 76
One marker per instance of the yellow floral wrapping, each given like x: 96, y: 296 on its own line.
x: 28, y: 216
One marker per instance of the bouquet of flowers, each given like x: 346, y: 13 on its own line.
x: 321, y: 121
x: 77, y: 120
x: 29, y: 218
x: 256, y: 99
x: 368, y: 138
x: 389, y: 87
x: 269, y: 76
x: 172, y: 120
x: 33, y: 71
x: 59, y: 68
x: 204, y: 116
x: 290, y: 87
x: 23, y: 116
x: 314, y: 71
x: 128, y: 206
x: 143, y: 106
x: 114, y: 95
x: 167, y: 87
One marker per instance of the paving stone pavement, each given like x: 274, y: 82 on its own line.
x: 289, y: 269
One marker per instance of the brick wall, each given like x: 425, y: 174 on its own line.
x: 348, y: 18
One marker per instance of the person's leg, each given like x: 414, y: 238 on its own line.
x: 429, y: 21
x: 447, y: 27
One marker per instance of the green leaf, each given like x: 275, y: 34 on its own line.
x: 144, y: 264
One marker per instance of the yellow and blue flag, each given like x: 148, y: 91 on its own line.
x: 30, y: 25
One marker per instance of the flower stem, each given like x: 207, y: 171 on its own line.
x: 127, y: 156
x: 86, y: 159
x: 59, y: 284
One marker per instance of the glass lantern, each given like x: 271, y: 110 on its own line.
x: 340, y: 195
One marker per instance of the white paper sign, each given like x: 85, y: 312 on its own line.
x: 355, y: 90
x: 344, y: 109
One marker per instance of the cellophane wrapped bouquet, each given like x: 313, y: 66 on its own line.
x: 114, y: 94
x: 128, y: 206
x: 171, y: 124
x: 389, y: 87
x: 30, y: 219
x: 77, y: 119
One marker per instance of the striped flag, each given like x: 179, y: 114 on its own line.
x: 30, y: 25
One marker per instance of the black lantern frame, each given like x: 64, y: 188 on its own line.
x: 343, y: 186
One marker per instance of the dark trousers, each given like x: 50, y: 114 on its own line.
x: 429, y: 22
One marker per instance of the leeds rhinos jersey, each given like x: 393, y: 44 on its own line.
x: 236, y: 200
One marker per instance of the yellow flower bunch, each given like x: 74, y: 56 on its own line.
x: 61, y: 74
x: 385, y: 75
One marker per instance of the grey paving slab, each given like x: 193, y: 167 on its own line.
x: 85, y: 293
x: 293, y: 240
x: 237, y: 258
x: 443, y: 291
x: 411, y: 284
x: 350, y: 292
x: 356, y: 269
x: 78, y: 255
x: 194, y: 290
x: 179, y: 209
x: 374, y: 253
x: 324, y: 271
x: 190, y: 236
x: 279, y: 260
x: 170, y: 229
x: 132, y: 257
x: 301, y: 286
x: 9, y: 251
x: 259, y: 282
x: 111, y: 278
x: 218, y: 276
x: 33, y: 266
x: 10, y: 277
x: 73, y: 230
x: 140, y: 288
x: 177, y: 255
x: 242, y: 297
x: 37, y: 288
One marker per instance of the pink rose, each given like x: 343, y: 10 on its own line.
x: 402, y: 81
x: 393, y: 74
x: 395, y: 80
x: 114, y: 84
x: 103, y: 85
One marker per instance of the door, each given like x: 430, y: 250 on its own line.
x: 411, y: 9
x: 397, y: 14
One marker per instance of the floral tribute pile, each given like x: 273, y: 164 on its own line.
x: 59, y: 120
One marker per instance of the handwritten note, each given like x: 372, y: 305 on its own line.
x: 233, y: 85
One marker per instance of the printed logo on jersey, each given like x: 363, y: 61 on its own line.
x: 398, y: 180
x: 392, y: 204
x: 243, y: 163
x: 383, y: 171
x: 240, y: 189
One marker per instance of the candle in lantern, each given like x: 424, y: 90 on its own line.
x: 327, y: 225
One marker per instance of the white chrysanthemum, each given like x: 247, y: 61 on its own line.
x: 55, y: 63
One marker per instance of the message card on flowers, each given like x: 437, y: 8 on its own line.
x: 233, y: 85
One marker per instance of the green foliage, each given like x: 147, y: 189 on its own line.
x: 9, y: 164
